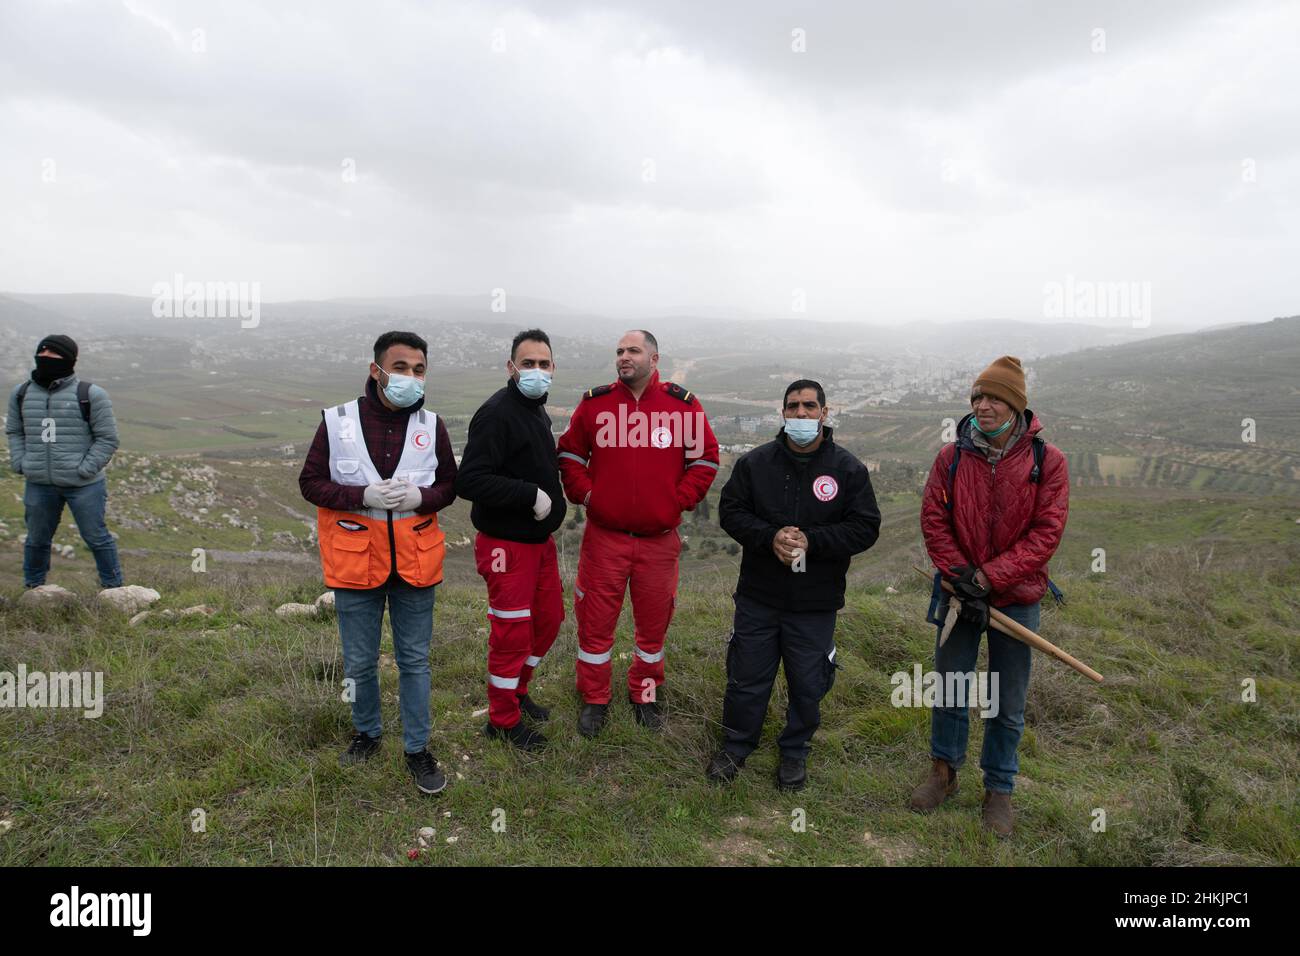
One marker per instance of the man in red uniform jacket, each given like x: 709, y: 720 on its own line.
x: 992, y: 513
x: 637, y: 453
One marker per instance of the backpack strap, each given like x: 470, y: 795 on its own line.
x: 1039, y: 450
x: 83, y: 399
x: 1056, y: 592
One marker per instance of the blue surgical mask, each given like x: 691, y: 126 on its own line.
x: 403, y: 390
x: 997, y: 431
x: 803, y: 431
x: 533, y: 382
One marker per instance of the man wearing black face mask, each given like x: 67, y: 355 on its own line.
x: 61, y: 436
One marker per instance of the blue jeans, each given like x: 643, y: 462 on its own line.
x: 361, y: 616
x: 1009, y: 659
x: 43, y: 506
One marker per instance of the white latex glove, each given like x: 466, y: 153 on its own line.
x: 541, y: 505
x: 410, y: 497
x: 380, y: 495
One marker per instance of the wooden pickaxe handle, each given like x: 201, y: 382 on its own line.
x: 1023, y: 634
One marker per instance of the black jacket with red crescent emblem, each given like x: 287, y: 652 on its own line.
x: 828, y: 497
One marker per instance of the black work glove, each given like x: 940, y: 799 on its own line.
x: 965, y: 584
x: 975, y: 612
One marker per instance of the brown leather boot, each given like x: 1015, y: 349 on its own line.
x: 996, y: 813
x: 938, y: 787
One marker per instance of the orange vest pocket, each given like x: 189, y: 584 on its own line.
x: 347, y: 560
x: 430, y: 550
x: 420, y: 550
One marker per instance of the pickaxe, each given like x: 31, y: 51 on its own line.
x: 1023, y: 634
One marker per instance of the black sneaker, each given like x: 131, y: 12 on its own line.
x: 533, y: 710
x: 591, y: 718
x: 649, y: 715
x: 792, y: 773
x: 724, y: 767
x: 525, y: 738
x: 362, y: 748
x: 424, y: 771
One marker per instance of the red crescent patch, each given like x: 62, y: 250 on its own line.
x: 825, y: 488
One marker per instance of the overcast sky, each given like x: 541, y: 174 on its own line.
x: 913, y: 161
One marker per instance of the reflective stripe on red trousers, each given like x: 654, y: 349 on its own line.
x: 525, y: 608
x: 612, y: 562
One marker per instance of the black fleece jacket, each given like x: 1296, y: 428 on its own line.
x: 827, y: 496
x: 509, y: 454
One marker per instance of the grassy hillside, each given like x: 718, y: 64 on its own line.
x: 239, y: 714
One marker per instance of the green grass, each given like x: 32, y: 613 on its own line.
x: 239, y: 715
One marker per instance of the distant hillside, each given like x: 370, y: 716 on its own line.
x: 678, y: 334
x: 1195, y: 388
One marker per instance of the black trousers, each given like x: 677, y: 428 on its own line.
x: 761, y: 638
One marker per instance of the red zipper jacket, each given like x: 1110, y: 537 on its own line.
x: 1000, y: 520
x: 643, y: 462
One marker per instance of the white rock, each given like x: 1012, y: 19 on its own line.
x: 427, y: 833
x: 128, y: 599
x: 325, y: 601
x: 207, y: 610
x: 480, y: 712
x: 47, y: 595
x: 136, y: 619
x: 891, y: 590
x: 295, y: 610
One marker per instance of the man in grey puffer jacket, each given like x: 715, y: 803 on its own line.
x: 62, y: 452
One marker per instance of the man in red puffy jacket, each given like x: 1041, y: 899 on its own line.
x: 991, y: 524
x: 637, y: 453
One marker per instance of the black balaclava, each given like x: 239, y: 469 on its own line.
x: 50, y: 369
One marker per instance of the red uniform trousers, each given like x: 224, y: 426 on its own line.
x: 525, y: 608
x: 609, y: 563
